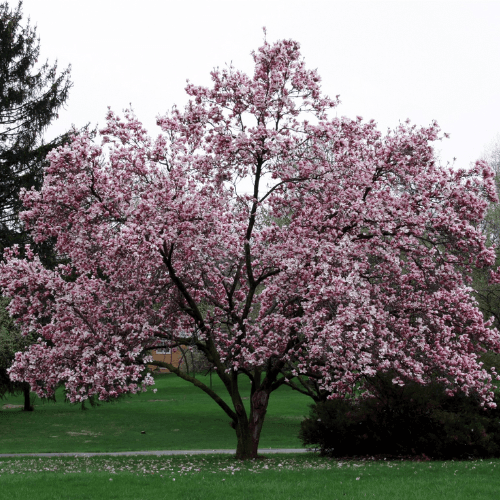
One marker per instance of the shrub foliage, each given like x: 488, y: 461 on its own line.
x: 409, y: 420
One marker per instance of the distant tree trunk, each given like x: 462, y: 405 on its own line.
x: 27, y: 402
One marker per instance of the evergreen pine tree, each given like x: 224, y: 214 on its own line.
x: 30, y: 98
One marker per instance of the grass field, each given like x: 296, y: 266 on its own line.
x: 177, y: 417
x: 278, y: 477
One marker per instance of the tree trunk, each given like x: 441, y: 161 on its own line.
x: 27, y: 402
x: 244, y: 448
x: 248, y: 431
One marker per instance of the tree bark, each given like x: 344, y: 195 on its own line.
x: 26, y: 392
x: 248, y: 430
x: 244, y: 449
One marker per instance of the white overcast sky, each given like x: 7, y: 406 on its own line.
x: 389, y: 61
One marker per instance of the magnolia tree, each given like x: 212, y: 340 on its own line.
x: 282, y: 243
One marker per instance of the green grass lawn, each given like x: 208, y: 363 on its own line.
x: 177, y: 417
x: 278, y: 477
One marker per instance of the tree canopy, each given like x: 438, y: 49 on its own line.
x: 350, y: 255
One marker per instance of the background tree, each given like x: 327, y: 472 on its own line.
x: 11, y: 341
x: 487, y: 293
x: 367, y: 275
x: 491, y: 222
x: 30, y: 97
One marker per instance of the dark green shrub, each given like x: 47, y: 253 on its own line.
x: 413, y: 420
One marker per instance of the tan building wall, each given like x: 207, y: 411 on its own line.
x: 167, y: 355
